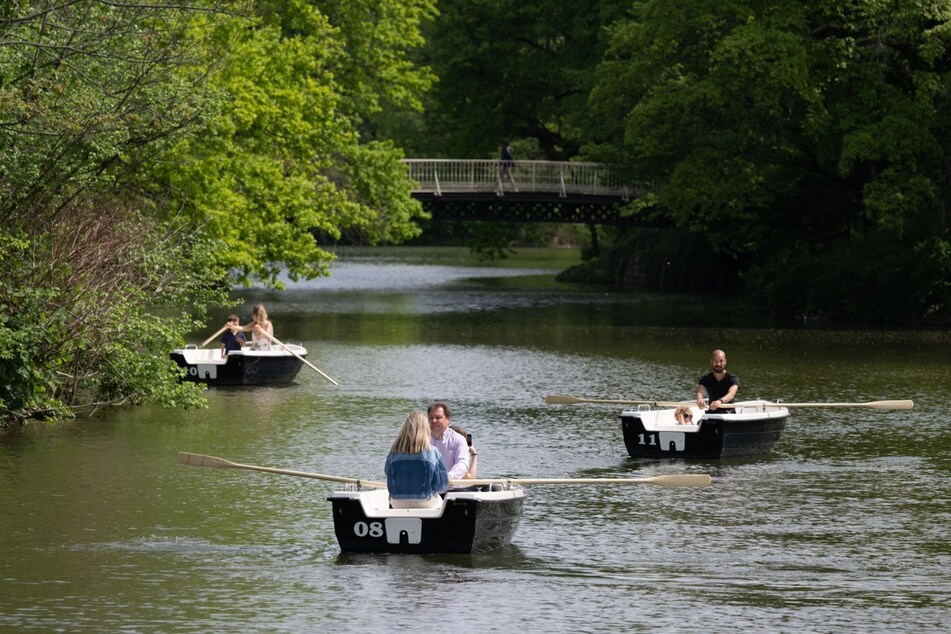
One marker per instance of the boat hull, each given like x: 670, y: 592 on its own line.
x: 240, y: 367
x: 468, y: 522
x: 751, y: 431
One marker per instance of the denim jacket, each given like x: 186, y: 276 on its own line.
x: 415, y: 476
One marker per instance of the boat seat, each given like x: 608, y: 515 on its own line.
x: 203, y: 355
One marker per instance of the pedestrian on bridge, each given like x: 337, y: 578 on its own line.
x: 506, y: 165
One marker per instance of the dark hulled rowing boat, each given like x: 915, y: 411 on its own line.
x: 467, y: 522
x: 240, y: 367
x: 750, y: 430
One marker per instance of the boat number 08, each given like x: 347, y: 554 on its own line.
x: 373, y: 529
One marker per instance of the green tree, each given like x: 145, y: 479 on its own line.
x: 91, y: 287
x: 284, y: 158
x: 512, y: 70
x: 809, y: 141
x: 149, y: 151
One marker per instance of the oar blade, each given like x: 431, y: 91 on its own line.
x: 696, y: 480
x: 892, y: 404
x: 199, y: 460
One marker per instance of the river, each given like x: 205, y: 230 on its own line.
x: 843, y: 527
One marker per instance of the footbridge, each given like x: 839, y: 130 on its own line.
x: 521, y: 191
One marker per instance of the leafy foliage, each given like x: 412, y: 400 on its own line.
x: 283, y: 158
x: 513, y: 70
x: 149, y: 151
x: 784, y: 131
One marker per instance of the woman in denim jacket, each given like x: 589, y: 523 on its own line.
x: 415, y: 474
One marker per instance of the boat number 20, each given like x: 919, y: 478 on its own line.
x: 373, y: 529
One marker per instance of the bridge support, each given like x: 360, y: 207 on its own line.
x: 589, y: 210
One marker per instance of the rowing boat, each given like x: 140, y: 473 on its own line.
x: 240, y: 367
x: 468, y: 521
x: 752, y: 429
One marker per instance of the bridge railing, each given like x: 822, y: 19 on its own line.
x: 452, y: 176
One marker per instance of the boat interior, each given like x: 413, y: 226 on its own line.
x: 663, y: 419
x: 376, y: 502
x: 194, y: 355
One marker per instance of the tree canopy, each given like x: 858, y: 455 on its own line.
x: 513, y: 70
x: 810, y: 141
x: 151, y: 154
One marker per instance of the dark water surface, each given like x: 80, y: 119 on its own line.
x: 845, y: 527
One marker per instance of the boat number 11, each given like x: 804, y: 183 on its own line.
x: 651, y: 439
x: 373, y: 529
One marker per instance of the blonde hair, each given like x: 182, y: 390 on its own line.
x: 682, y: 410
x: 259, y: 314
x: 414, y: 433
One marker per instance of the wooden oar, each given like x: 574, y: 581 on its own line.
x: 214, y: 336
x: 871, y: 404
x: 676, y: 480
x: 308, y: 363
x: 199, y: 460
x: 558, y: 399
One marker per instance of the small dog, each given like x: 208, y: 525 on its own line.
x: 683, y: 415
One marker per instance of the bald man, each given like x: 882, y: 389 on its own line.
x: 719, y: 385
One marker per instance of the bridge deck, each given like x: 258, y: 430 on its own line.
x: 562, y: 178
x: 527, y: 191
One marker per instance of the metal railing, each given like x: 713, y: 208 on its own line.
x: 564, y: 178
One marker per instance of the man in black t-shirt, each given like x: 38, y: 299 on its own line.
x: 720, y: 385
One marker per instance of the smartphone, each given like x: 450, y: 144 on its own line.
x: 469, y: 439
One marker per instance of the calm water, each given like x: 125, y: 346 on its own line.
x: 845, y: 527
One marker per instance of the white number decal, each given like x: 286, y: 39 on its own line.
x: 193, y: 371
x: 373, y: 529
x: 651, y: 437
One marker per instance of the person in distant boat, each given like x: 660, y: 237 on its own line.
x: 451, y: 446
x: 259, y: 325
x: 473, y: 453
x: 683, y: 415
x: 415, y: 474
x: 232, y: 340
x: 719, y: 385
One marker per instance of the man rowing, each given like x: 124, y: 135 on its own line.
x: 719, y: 385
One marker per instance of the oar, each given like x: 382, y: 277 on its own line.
x: 871, y: 404
x: 199, y: 460
x: 676, y: 480
x: 309, y: 364
x: 558, y: 399
x: 214, y: 336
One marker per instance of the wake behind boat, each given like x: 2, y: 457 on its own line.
x: 753, y: 428
x: 240, y: 367
x: 469, y: 521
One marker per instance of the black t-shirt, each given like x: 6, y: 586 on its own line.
x: 716, y: 390
x: 232, y: 341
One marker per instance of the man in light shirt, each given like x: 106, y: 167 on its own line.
x: 450, y: 445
